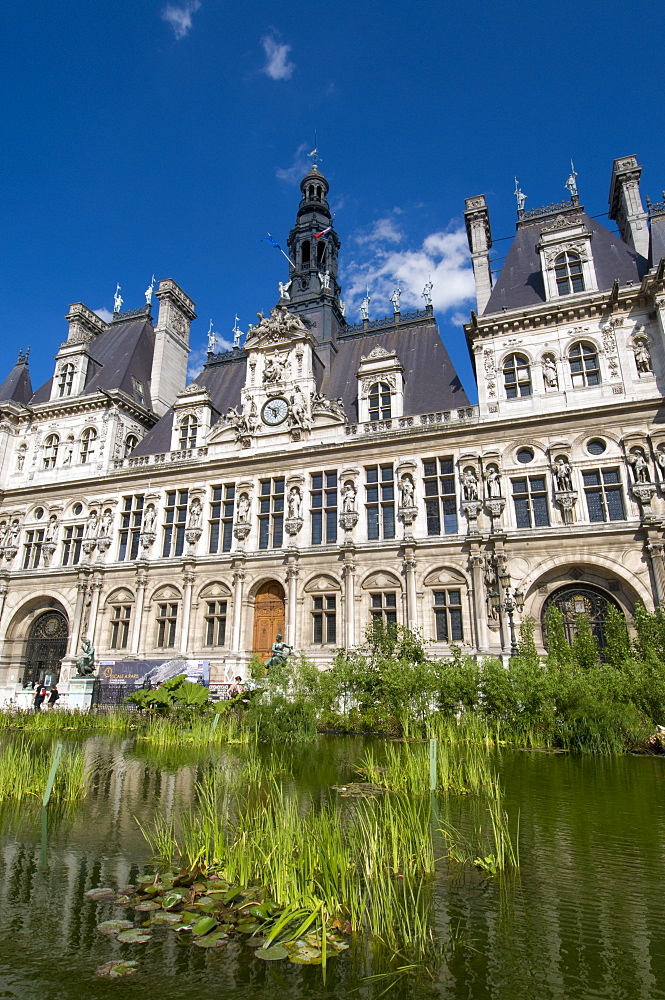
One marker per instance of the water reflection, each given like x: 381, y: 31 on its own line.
x: 582, y: 919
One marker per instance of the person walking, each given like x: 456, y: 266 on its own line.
x: 53, y: 697
x: 39, y: 697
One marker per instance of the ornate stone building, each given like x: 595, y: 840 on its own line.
x: 326, y: 474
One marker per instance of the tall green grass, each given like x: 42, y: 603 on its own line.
x: 62, y: 720
x: 24, y: 770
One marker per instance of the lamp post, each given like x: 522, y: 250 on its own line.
x: 511, y: 603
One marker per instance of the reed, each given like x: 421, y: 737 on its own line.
x: 24, y: 770
x: 167, y: 732
x: 62, y: 720
x: 492, y: 851
x: 463, y: 765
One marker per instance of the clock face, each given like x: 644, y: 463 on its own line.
x: 274, y: 411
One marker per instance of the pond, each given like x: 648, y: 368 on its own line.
x: 583, y: 917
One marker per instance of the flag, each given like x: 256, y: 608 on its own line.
x: 323, y: 232
x: 273, y: 243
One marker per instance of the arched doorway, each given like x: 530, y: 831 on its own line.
x: 268, y: 616
x: 45, y: 648
x: 574, y: 600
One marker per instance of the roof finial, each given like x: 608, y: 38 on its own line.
x: 117, y: 299
x: 23, y: 356
x: 571, y: 183
x: 521, y: 197
x: 314, y: 155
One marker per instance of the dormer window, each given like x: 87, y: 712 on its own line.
x: 568, y: 273
x: 66, y: 380
x: 88, y: 439
x: 378, y: 400
x: 131, y: 442
x: 584, y: 368
x: 517, y: 376
x: 188, y: 431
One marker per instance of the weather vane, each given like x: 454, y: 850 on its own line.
x: 314, y: 155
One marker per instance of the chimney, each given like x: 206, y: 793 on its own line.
x: 169, y: 361
x: 477, y: 220
x: 626, y: 204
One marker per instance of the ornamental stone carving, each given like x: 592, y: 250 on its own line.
x: 562, y: 472
x: 640, y: 466
x: 644, y: 493
x: 349, y: 515
x: 493, y: 482
x: 293, y: 525
x: 550, y: 375
x: 469, y: 482
x: 567, y: 501
x: 642, y: 356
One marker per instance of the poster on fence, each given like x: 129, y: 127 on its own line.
x: 121, y: 677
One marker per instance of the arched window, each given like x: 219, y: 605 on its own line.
x: 305, y: 253
x: 51, y: 445
x: 584, y: 370
x: 574, y: 600
x: 66, y: 380
x: 88, y: 439
x: 516, y: 376
x: 188, y: 429
x: 568, y: 273
x: 379, y: 401
x: 321, y: 252
x: 131, y: 442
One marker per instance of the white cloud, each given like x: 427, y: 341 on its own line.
x: 198, y: 358
x: 383, y: 229
x: 103, y: 314
x: 180, y: 17
x: 443, y: 257
x: 298, y: 169
x: 277, y: 65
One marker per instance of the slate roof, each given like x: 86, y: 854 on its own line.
x: 520, y: 282
x: 124, y: 350
x: 430, y: 381
x: 17, y: 386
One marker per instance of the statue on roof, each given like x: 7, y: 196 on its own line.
x: 284, y: 291
x: 364, y: 305
x: 117, y: 299
x: 571, y: 183
x: 149, y: 290
x: 521, y: 197
x: 212, y: 339
x: 237, y: 332
x: 427, y: 291
x: 395, y: 297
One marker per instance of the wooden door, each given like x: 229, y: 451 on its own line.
x: 268, y: 617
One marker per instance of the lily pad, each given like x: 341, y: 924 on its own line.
x: 97, y: 895
x: 150, y: 904
x: 122, y: 901
x: 116, y: 969
x: 173, y: 898
x: 114, y: 926
x: 167, y: 918
x: 135, y: 936
x: 274, y: 954
x: 214, y: 940
x: 255, y: 942
x: 204, y: 925
x: 248, y: 926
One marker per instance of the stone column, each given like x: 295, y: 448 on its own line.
x: 656, y: 549
x: 96, y: 589
x: 75, y: 631
x: 349, y: 596
x: 4, y: 589
x: 141, y: 584
x: 188, y: 583
x: 479, y: 603
x: 411, y: 598
x: 292, y: 573
x: 238, y: 578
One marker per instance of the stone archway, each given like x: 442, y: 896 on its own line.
x: 268, y: 616
x: 45, y: 647
x: 574, y: 599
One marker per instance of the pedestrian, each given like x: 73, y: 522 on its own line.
x: 236, y: 688
x: 53, y: 697
x: 39, y: 698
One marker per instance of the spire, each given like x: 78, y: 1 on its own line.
x: 17, y: 386
x: 313, y: 248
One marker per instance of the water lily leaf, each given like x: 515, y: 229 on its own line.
x: 199, y: 887
x: 122, y: 901
x: 214, y: 940
x: 166, y: 918
x: 248, y: 926
x: 135, y: 936
x: 97, y: 895
x: 274, y: 954
x: 256, y: 942
x: 173, y: 898
x: 233, y: 894
x: 205, y: 903
x: 150, y: 904
x: 204, y: 925
x: 114, y: 926
x: 115, y: 969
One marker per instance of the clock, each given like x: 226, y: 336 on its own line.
x: 274, y: 411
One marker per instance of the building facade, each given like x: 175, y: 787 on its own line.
x: 326, y: 475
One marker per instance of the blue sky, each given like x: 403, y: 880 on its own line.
x: 147, y: 137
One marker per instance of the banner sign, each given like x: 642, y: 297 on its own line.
x: 135, y: 674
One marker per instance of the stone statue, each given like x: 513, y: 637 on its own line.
x: 280, y: 651
x: 349, y: 497
x: 91, y: 525
x: 212, y: 339
x: 149, y: 290
x: 493, y: 483
x: 69, y: 451
x: 149, y: 519
x: 427, y: 292
x: 298, y: 416
x: 571, y: 183
x: 563, y: 476
x: 237, y: 332
x: 117, y: 300
x: 284, y: 291
x: 243, y: 508
x: 325, y: 280
x: 364, y: 305
x: 105, y: 524
x: 13, y: 533
x: 550, y: 377
x: 395, y: 297
x: 273, y: 370
x: 342, y: 308
x: 195, y: 512
x: 521, y: 197
x: 85, y: 665
x: 51, y: 528
x: 470, y: 484
x: 406, y: 489
x: 642, y: 356
x: 4, y: 528
x: 20, y: 459
x: 660, y: 458
x: 640, y: 467
x: 294, y: 502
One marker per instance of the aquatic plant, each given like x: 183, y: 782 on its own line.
x: 117, y: 720
x: 24, y: 770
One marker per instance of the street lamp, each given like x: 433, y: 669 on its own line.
x: 511, y: 603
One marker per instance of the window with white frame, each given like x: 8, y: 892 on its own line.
x: 440, y: 496
x: 530, y: 501
x: 66, y: 380
x: 323, y: 503
x: 584, y: 367
x: 220, y: 523
x: 271, y: 513
x: 131, y: 520
x: 516, y: 376
x: 51, y: 445
x: 380, y: 501
x: 324, y: 619
x: 378, y: 401
x: 447, y: 606
x: 215, y: 623
x: 72, y: 541
x: 175, y: 521
x: 88, y: 440
x: 131, y: 442
x: 383, y: 607
x: 604, y: 494
x: 568, y: 273
x: 189, y: 426
x: 167, y: 622
x: 32, y: 549
x: 121, y: 616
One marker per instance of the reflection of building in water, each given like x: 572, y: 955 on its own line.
x: 153, y: 517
